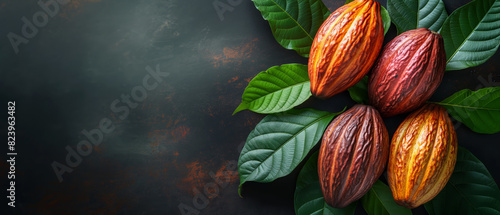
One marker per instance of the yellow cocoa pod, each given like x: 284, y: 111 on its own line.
x: 422, y: 156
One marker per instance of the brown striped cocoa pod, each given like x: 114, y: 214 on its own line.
x: 345, y: 47
x: 407, y: 72
x: 422, y: 156
x: 353, y: 154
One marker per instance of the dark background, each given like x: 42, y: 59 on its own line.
x: 66, y: 77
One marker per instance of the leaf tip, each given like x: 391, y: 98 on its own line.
x: 242, y: 106
x: 239, y: 190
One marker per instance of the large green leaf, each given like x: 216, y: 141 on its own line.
x: 379, y: 201
x: 359, y: 92
x: 471, y: 34
x: 309, y: 199
x: 470, y: 190
x: 278, y: 89
x: 413, y: 14
x: 280, y: 142
x: 294, y: 23
x: 479, y: 110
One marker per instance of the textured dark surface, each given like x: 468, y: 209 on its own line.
x: 67, y: 76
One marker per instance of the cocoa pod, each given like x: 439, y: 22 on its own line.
x: 353, y: 154
x: 422, y: 156
x: 345, y: 47
x: 407, y: 72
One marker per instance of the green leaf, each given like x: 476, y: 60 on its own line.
x: 278, y: 89
x: 308, y: 198
x: 386, y: 19
x: 471, y: 34
x: 280, y: 142
x: 413, y: 14
x: 294, y: 23
x: 479, y: 110
x: 379, y: 201
x: 359, y: 92
x: 470, y: 190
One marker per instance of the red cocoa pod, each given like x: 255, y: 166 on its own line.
x: 353, y: 155
x: 407, y: 72
x: 345, y: 47
x: 422, y: 156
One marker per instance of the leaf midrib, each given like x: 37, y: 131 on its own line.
x: 324, y: 205
x: 464, y: 106
x: 470, y: 34
x: 381, y: 202
x: 285, y: 142
x: 273, y: 92
x: 463, y: 196
x: 293, y: 18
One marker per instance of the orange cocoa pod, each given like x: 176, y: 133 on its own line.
x: 345, y: 47
x: 353, y: 154
x: 407, y: 72
x: 422, y: 156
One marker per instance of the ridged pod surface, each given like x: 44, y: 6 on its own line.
x: 422, y: 157
x: 408, y: 71
x: 353, y: 155
x: 345, y: 47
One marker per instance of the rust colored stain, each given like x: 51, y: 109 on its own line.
x: 195, y: 177
x: 210, y: 112
x: 233, y: 79
x: 179, y: 133
x: 98, y: 149
x: 239, y: 83
x: 223, y: 174
x: 173, y: 132
x: 169, y: 135
x: 176, y: 153
x: 70, y: 195
x: 163, y: 172
x: 236, y: 54
x: 74, y: 7
x: 155, y: 147
x: 252, y: 121
x: 198, y: 176
x: 169, y: 97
